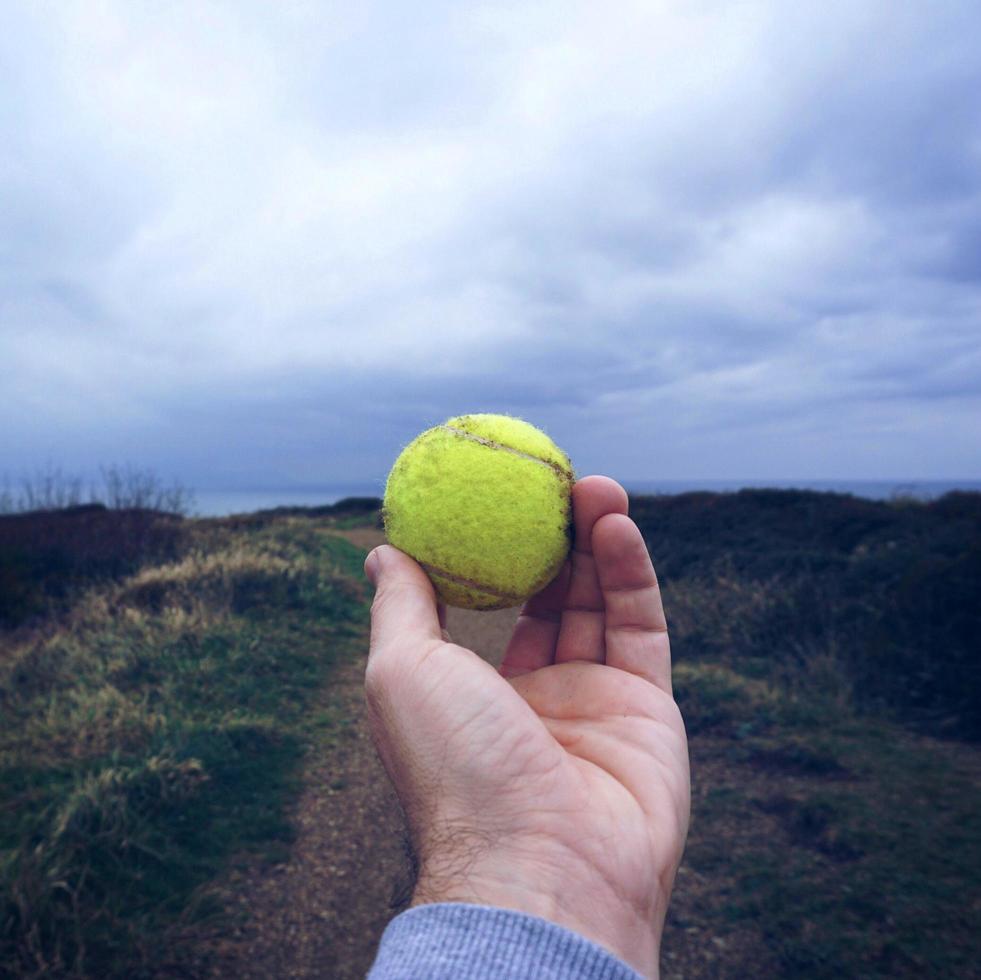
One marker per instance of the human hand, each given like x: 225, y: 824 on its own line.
x: 559, y: 785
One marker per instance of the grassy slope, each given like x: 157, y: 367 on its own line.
x: 156, y: 732
x: 827, y: 840
x: 823, y: 843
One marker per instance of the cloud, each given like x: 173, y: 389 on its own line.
x: 663, y: 230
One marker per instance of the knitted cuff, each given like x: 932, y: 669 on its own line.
x: 457, y: 941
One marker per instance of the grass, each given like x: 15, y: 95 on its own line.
x: 159, y: 696
x: 822, y: 645
x: 156, y: 732
x: 829, y: 843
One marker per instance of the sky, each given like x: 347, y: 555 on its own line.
x: 264, y: 245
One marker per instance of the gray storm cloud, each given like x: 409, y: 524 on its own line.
x: 689, y: 239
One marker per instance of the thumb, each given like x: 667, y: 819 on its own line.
x: 404, y: 611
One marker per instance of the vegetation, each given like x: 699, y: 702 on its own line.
x: 160, y: 684
x: 55, y: 537
x: 827, y: 840
x: 154, y: 732
x: 879, y: 599
x: 118, y: 487
x: 46, y: 557
x: 823, y: 843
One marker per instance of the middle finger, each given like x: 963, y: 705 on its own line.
x: 582, y: 631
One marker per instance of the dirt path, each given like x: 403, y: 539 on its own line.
x: 321, y: 913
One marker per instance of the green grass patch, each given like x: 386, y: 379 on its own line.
x: 845, y: 845
x: 158, y: 733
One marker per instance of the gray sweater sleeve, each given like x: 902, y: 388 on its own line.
x: 455, y: 941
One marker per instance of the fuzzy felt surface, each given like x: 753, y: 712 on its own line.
x: 483, y: 502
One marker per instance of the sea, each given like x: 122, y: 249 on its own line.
x: 224, y: 502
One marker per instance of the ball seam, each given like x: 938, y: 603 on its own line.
x: 492, y: 444
x: 469, y: 583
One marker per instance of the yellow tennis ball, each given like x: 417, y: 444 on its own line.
x: 483, y: 503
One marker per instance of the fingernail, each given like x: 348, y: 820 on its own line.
x: 372, y: 566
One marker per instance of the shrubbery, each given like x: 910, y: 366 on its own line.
x: 117, y: 487
x: 885, y: 594
x: 45, y: 556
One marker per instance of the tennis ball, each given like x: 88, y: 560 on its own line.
x: 483, y: 503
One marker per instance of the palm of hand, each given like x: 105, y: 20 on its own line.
x: 559, y: 785
x: 577, y: 767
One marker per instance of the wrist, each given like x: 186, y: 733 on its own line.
x: 561, y: 892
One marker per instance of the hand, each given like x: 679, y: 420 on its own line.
x: 558, y: 786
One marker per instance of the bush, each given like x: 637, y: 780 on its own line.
x: 887, y: 591
x: 45, y: 556
x: 118, y: 487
